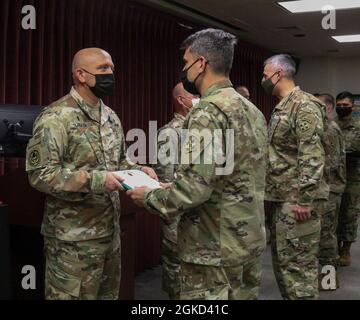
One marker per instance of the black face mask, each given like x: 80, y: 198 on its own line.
x: 268, y: 85
x: 104, y: 86
x: 343, y: 112
x: 188, y: 85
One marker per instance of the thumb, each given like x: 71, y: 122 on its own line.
x: 118, y: 177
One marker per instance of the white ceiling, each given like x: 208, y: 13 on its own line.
x: 266, y: 24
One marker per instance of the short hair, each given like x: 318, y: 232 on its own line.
x: 328, y: 98
x: 284, y: 62
x: 242, y: 90
x: 217, y: 46
x: 345, y: 95
x: 239, y: 87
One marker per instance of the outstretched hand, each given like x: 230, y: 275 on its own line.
x: 150, y: 172
x: 137, y: 195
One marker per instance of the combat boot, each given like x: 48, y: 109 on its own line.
x: 345, y: 257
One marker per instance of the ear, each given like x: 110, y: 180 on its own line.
x: 203, y: 63
x: 80, y: 75
x: 281, y: 74
x: 180, y: 100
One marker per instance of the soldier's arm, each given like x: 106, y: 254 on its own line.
x: 311, y: 157
x: 44, y: 164
x: 194, y: 184
x: 342, y: 157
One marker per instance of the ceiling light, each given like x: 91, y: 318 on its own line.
x: 318, y: 5
x: 347, y: 38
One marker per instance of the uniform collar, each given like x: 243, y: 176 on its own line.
x: 179, y: 116
x: 345, y: 123
x: 87, y: 109
x: 283, y: 102
x: 216, y: 86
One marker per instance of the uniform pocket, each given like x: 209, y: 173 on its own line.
x: 295, y: 236
x: 291, y: 228
x: 303, y: 228
x: 62, y: 283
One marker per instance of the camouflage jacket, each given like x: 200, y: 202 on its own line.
x: 351, y: 132
x: 335, y: 163
x: 171, y: 130
x: 222, y: 222
x: 67, y: 159
x: 166, y: 172
x: 296, y: 153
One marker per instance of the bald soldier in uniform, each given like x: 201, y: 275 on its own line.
x: 77, y: 144
x: 166, y: 171
x: 221, y: 234
x: 295, y: 182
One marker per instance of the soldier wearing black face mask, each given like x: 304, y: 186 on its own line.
x: 77, y: 144
x: 104, y: 84
x: 350, y: 204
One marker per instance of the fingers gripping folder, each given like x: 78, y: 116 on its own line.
x: 136, y: 178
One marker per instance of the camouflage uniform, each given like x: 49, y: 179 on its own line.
x: 335, y: 175
x: 221, y: 234
x: 295, y: 176
x: 350, y: 204
x: 170, y: 257
x: 73, y: 147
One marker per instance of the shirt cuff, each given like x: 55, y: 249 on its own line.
x: 147, y: 199
x: 98, y: 179
x: 305, y: 201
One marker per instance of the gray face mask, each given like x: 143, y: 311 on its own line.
x: 268, y: 85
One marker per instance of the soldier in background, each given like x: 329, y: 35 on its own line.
x: 243, y: 91
x: 350, y: 204
x: 295, y: 183
x: 335, y: 174
x: 78, y: 142
x: 183, y: 102
x: 221, y: 234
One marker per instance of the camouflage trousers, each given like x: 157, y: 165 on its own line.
x: 329, y: 251
x: 200, y: 282
x: 170, y: 269
x: 295, y: 249
x: 348, y: 216
x: 83, y: 270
